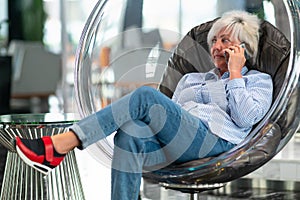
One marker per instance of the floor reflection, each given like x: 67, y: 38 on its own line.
x: 234, y: 191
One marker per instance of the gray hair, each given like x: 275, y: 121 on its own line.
x: 242, y: 26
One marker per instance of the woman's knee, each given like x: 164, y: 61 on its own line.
x: 145, y: 90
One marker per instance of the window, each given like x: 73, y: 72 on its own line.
x: 3, y: 26
x: 177, y: 16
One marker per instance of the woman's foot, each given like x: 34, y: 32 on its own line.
x: 39, y: 153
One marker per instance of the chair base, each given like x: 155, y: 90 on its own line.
x: 192, y: 189
x: 195, y: 196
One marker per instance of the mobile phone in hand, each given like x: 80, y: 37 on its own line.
x: 226, y: 55
x: 243, y: 45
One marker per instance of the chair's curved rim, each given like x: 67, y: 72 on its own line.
x: 38, y: 119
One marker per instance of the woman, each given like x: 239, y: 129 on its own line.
x: 208, y: 114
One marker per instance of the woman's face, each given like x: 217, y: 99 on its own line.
x: 220, y: 42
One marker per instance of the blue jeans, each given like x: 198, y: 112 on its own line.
x: 151, y: 132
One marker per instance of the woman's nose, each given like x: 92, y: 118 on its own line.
x: 218, y: 45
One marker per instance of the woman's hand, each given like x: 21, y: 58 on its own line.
x: 236, y: 60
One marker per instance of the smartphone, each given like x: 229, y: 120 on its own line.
x: 226, y: 55
x: 243, y: 45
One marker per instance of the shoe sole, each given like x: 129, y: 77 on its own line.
x: 39, y: 167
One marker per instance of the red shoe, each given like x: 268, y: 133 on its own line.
x: 39, y: 153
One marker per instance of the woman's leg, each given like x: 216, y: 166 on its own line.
x: 130, y: 155
x: 173, y: 127
x: 144, y: 104
x: 70, y: 141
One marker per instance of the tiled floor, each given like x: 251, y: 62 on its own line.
x: 284, y: 167
x: 95, y: 177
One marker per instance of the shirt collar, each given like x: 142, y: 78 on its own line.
x: 213, y: 74
x: 243, y: 72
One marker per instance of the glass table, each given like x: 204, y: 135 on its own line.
x: 23, y: 182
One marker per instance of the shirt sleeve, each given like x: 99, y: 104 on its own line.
x: 249, y: 98
x: 178, y: 89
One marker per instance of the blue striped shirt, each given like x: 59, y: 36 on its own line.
x: 229, y: 108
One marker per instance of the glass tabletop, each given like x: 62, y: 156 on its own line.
x: 40, y: 118
x: 33, y: 126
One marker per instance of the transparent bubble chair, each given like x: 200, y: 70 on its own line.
x: 127, y: 70
x: 22, y: 181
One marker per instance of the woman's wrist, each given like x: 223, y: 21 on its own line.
x: 235, y: 74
